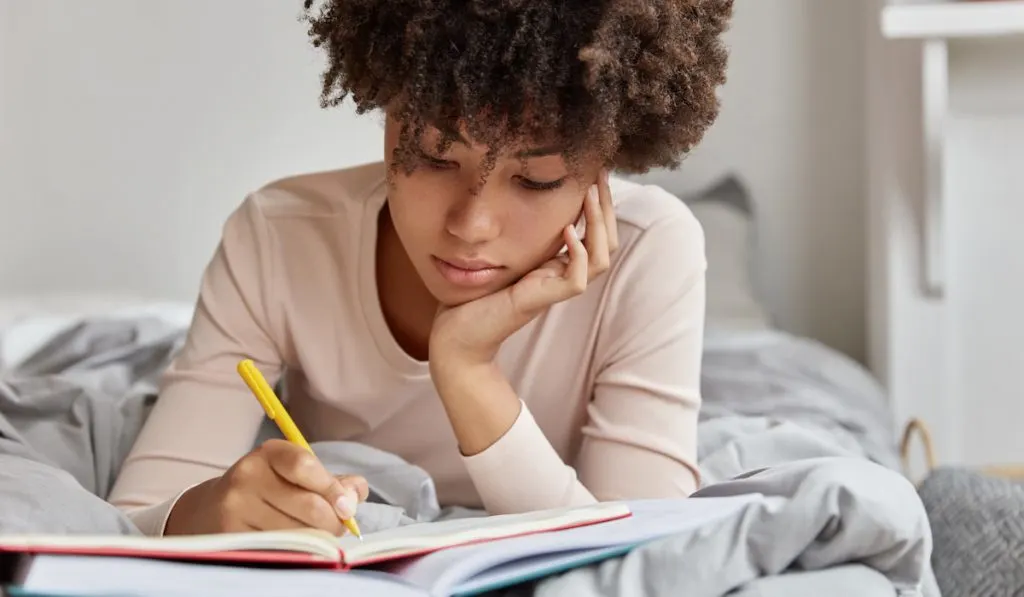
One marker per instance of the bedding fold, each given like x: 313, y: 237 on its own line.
x: 782, y: 416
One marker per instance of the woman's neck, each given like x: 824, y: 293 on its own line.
x: 408, y: 306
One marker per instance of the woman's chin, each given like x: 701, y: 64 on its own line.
x: 452, y: 295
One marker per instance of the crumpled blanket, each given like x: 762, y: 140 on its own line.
x: 770, y: 397
x: 69, y: 413
x: 783, y: 417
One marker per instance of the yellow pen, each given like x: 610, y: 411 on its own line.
x: 275, y: 410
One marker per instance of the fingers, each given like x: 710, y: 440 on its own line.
x: 567, y: 275
x: 596, y: 241
x: 587, y: 259
x: 261, y: 516
x: 576, y: 274
x: 354, y: 491
x: 288, y: 506
x: 302, y: 469
x: 254, y: 497
x: 357, y: 484
x: 602, y: 227
x: 611, y: 224
x: 299, y: 467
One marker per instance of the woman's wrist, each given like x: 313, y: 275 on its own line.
x: 452, y: 356
x: 181, y: 518
x: 452, y: 369
x: 479, y: 401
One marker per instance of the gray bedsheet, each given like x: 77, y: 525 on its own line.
x: 811, y: 430
x: 783, y: 417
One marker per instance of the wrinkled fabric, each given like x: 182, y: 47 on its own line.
x: 783, y: 418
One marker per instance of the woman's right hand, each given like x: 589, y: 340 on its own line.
x: 277, y: 486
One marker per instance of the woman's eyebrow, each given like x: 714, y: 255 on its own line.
x: 538, y: 152
x: 525, y: 154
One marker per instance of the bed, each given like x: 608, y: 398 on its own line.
x: 785, y: 417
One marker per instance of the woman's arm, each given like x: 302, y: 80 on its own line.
x: 205, y: 418
x: 512, y: 464
x: 640, y: 438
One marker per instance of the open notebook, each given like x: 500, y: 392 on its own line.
x: 469, y: 569
x: 319, y: 549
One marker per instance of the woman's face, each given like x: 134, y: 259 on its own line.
x: 468, y: 238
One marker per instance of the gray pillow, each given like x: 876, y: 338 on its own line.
x: 726, y: 214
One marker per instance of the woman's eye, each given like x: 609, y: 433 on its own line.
x: 537, y: 185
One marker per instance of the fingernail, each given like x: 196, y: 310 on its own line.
x: 592, y: 193
x: 346, y: 505
x: 573, y: 232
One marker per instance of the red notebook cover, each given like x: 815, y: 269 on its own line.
x: 276, y: 558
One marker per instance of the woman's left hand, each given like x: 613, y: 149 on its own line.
x: 471, y: 333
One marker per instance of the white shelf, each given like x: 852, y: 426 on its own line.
x: 953, y: 18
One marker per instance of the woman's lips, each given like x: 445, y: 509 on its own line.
x: 467, y: 273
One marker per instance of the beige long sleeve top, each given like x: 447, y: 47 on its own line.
x: 609, y: 381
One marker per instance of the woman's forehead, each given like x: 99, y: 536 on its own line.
x: 512, y: 145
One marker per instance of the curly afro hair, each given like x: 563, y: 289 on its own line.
x: 633, y: 82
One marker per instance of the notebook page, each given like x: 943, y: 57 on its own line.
x: 69, y: 575
x: 514, y: 560
x: 415, y: 538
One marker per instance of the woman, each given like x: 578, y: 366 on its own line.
x: 486, y: 303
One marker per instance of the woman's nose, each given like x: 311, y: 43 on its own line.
x: 476, y: 218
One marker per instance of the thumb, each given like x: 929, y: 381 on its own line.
x: 346, y: 493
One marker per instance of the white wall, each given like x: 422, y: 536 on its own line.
x: 985, y: 328
x: 138, y: 126
x: 792, y: 125
x: 952, y: 359
x: 5, y: 133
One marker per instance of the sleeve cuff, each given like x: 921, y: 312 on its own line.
x: 152, y: 520
x: 522, y: 472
